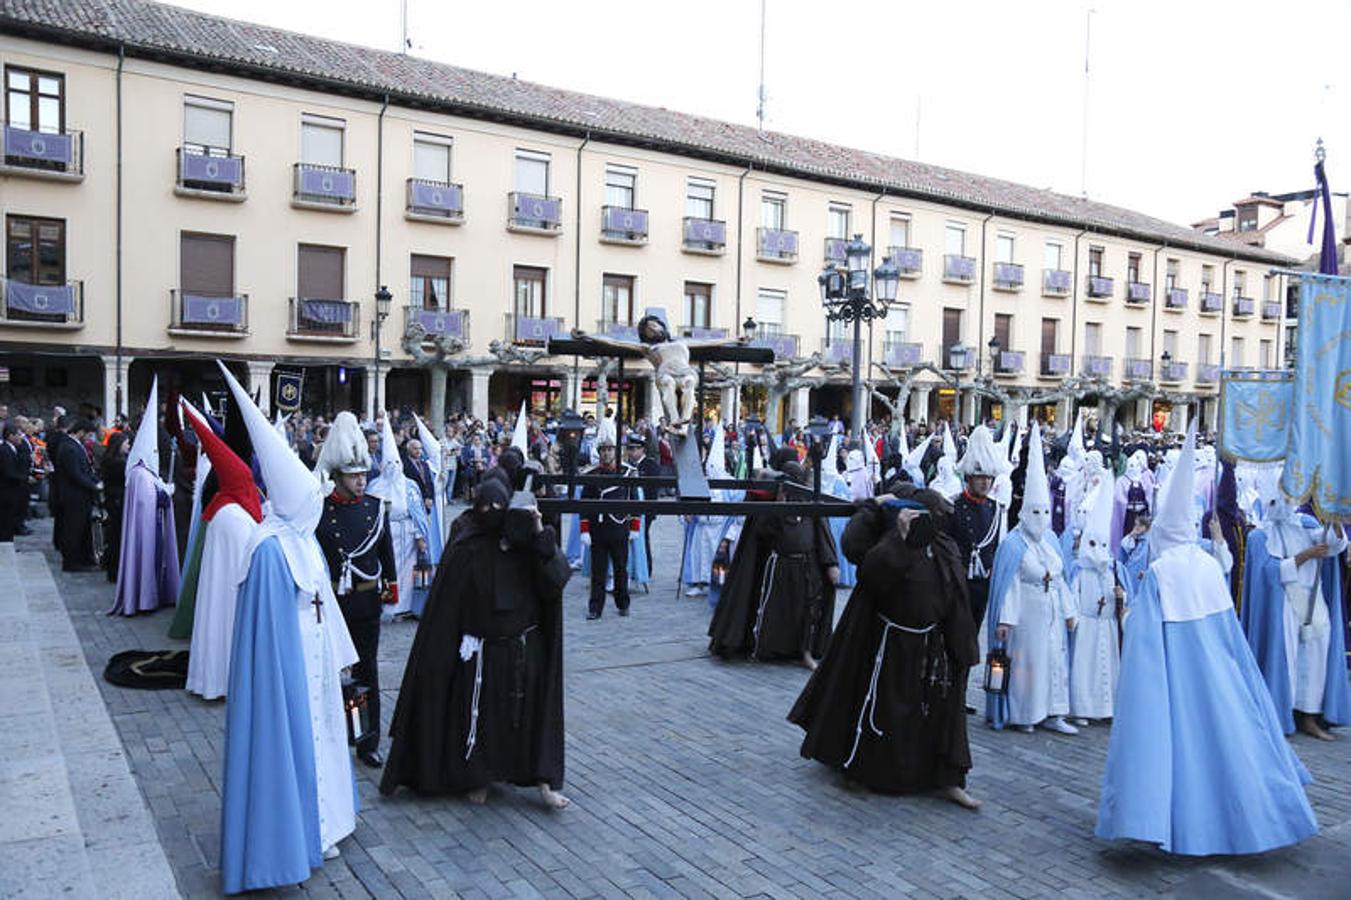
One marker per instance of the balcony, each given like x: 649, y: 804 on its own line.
x: 703, y: 333
x: 58, y: 156
x: 1173, y: 373
x: 837, y: 351
x: 534, y: 214
x: 620, y: 331
x: 1211, y: 303
x: 327, y: 188
x: 1138, y: 369
x: 441, y: 202
x: 196, y: 314
x: 210, y: 175
x: 1055, y: 365
x: 706, y: 236
x: 771, y: 337
x: 1096, y: 366
x: 902, y: 355
x: 956, y: 360
x: 533, y: 331
x: 959, y: 269
x: 1207, y: 373
x: 1056, y: 282
x: 26, y: 305
x: 452, y: 323
x: 1244, y: 307
x: 1175, y: 298
x: 1138, y: 293
x: 775, y: 245
x: 910, y: 260
x: 1099, y: 288
x: 835, y: 251
x: 622, y: 225
x: 1271, y: 309
x: 1010, y: 362
x: 326, y: 321
x: 1008, y: 276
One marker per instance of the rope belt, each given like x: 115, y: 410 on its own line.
x: 472, y: 648
x: 765, y: 585
x: 935, y: 673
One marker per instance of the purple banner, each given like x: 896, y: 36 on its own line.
x: 1136, y: 292
x: 705, y: 231
x: 618, y: 220
x: 705, y: 334
x: 835, y: 251
x: 960, y: 267
x: 1211, y: 302
x: 838, y: 351
x: 903, y: 354
x: 444, y: 198
x: 325, y: 312
x: 538, y: 212
x: 1010, y: 274
x: 1057, y: 363
x: 531, y: 328
x: 1139, y: 368
x: 320, y: 181
x: 39, y: 145
x: 1207, y: 373
x: 1271, y: 310
x: 1175, y: 371
x: 783, y: 345
x: 1243, y: 306
x: 199, y: 310
x: 435, y: 321
x: 774, y: 242
x: 1176, y: 298
x: 43, y: 299
x: 620, y: 330
x: 1099, y: 286
x: 1010, y: 361
x: 1098, y: 365
x: 908, y: 259
x: 213, y: 169
x: 1057, y: 280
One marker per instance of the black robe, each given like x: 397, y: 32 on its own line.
x: 512, y: 599
x: 778, y: 602
x: 114, y: 475
x: 78, y: 493
x: 912, y: 736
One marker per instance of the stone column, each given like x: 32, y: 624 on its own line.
x: 654, y: 410
x: 1064, y: 413
x: 368, y: 382
x: 919, y: 404
x: 1177, y: 421
x: 971, y: 406
x: 565, y: 387
x: 1022, y: 419
x: 1144, y: 409
x: 799, y: 406
x: 727, y: 403
x: 478, y: 392
x: 260, y: 381
x: 111, y: 380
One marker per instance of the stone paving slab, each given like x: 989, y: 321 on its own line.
x: 686, y: 782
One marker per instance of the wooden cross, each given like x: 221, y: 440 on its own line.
x: 318, y: 605
x: 1046, y: 582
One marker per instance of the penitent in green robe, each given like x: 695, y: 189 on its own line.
x: 181, y: 627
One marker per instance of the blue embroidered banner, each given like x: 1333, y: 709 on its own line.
x: 1255, y: 415
x: 1318, y: 466
x: 290, y: 386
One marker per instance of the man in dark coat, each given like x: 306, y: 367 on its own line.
x: 646, y: 467
x: 77, y: 494
x: 482, y: 693
x: 886, y: 705
x: 13, y: 482
x: 779, y: 600
x: 608, y: 535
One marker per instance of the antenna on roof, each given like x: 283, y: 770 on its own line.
x: 404, y: 43
x: 1083, y: 149
x: 762, y: 96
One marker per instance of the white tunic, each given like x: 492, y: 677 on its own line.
x: 328, y: 649
x: 1038, y: 680
x: 1308, y: 627
x: 403, y: 533
x: 1096, y: 661
x: 213, y: 622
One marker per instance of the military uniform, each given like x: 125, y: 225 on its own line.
x: 354, y: 535
x: 974, y: 525
x: 609, y: 541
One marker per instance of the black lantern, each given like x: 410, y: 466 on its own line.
x: 570, y: 428
x: 748, y: 328
x: 383, y: 301
x: 997, y: 672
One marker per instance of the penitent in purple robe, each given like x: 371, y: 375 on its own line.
x: 147, y: 573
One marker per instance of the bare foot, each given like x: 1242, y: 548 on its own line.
x: 552, y: 799
x: 478, y: 797
x: 809, y: 662
x: 1308, y: 724
x: 960, y: 797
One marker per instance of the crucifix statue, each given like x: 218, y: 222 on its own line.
x: 670, y: 360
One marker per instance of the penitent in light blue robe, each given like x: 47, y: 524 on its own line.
x: 1197, y: 763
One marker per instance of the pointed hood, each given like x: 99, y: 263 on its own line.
x: 832, y: 460
x: 233, y: 476
x: 1076, y: 445
x: 915, y: 458
x: 390, y: 486
x: 518, y: 434
x: 1035, y: 518
x: 903, y: 441
x: 279, y: 425
x: 237, y: 436
x: 1174, y: 525
x: 949, y: 444
x: 145, y: 447
x: 1095, y: 547
x: 431, y: 447
x: 983, y: 454
x: 716, y: 464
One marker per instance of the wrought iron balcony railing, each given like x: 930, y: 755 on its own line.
x: 41, y: 305
x: 314, y: 318
x: 434, y: 200
x: 1056, y: 282
x: 221, y: 315
x: 776, y: 245
x: 210, y: 172
x: 1008, y: 276
x: 44, y: 153
x: 533, y: 330
x: 450, y: 322
x: 534, y: 213
x: 322, y: 187
x: 704, y: 235
x: 959, y: 269
x: 622, y: 225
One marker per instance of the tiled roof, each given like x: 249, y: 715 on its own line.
x: 191, y: 38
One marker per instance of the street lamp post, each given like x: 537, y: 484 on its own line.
x: 958, y: 357
x: 848, y: 297
x: 748, y: 329
x: 383, y: 300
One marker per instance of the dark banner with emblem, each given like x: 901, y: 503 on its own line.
x: 289, y: 388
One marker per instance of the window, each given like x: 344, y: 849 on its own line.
x: 1132, y: 342
x: 1171, y: 274
x: 898, y: 325
x: 1050, y: 329
x: 773, y: 211
x: 1247, y: 218
x: 35, y: 101
x: 1170, y: 344
x: 531, y: 300
x: 1095, y: 262
x: 1240, y: 282
x: 1003, y: 330
x: 1236, y: 353
x: 321, y: 141
x: 837, y: 221
x: 206, y: 264
x: 1003, y: 248
x: 319, y: 272
x: 431, y: 157
x: 1268, y: 285
x: 838, y: 331
x: 900, y: 231
x: 699, y: 198
x: 429, y: 282
x: 1133, y: 268
x: 616, y: 299
x: 621, y: 184
x: 954, y: 240
x: 1264, y: 354
x: 1203, y: 349
x: 699, y: 305
x: 1207, y: 278
x: 952, y: 329
x: 1093, y: 338
x: 1054, y: 255
x: 207, y: 125
x: 769, y: 309
x: 35, y: 250
x: 532, y: 173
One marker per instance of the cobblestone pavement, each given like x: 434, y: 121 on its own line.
x: 686, y: 781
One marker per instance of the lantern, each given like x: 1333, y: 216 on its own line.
x: 356, y: 711
x: 997, y: 672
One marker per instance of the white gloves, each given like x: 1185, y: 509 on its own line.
x: 586, y: 539
x: 469, y: 645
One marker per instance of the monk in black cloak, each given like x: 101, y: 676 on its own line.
x: 482, y: 693
x: 887, y: 705
x: 779, y: 600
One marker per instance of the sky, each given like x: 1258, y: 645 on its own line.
x: 1191, y: 104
